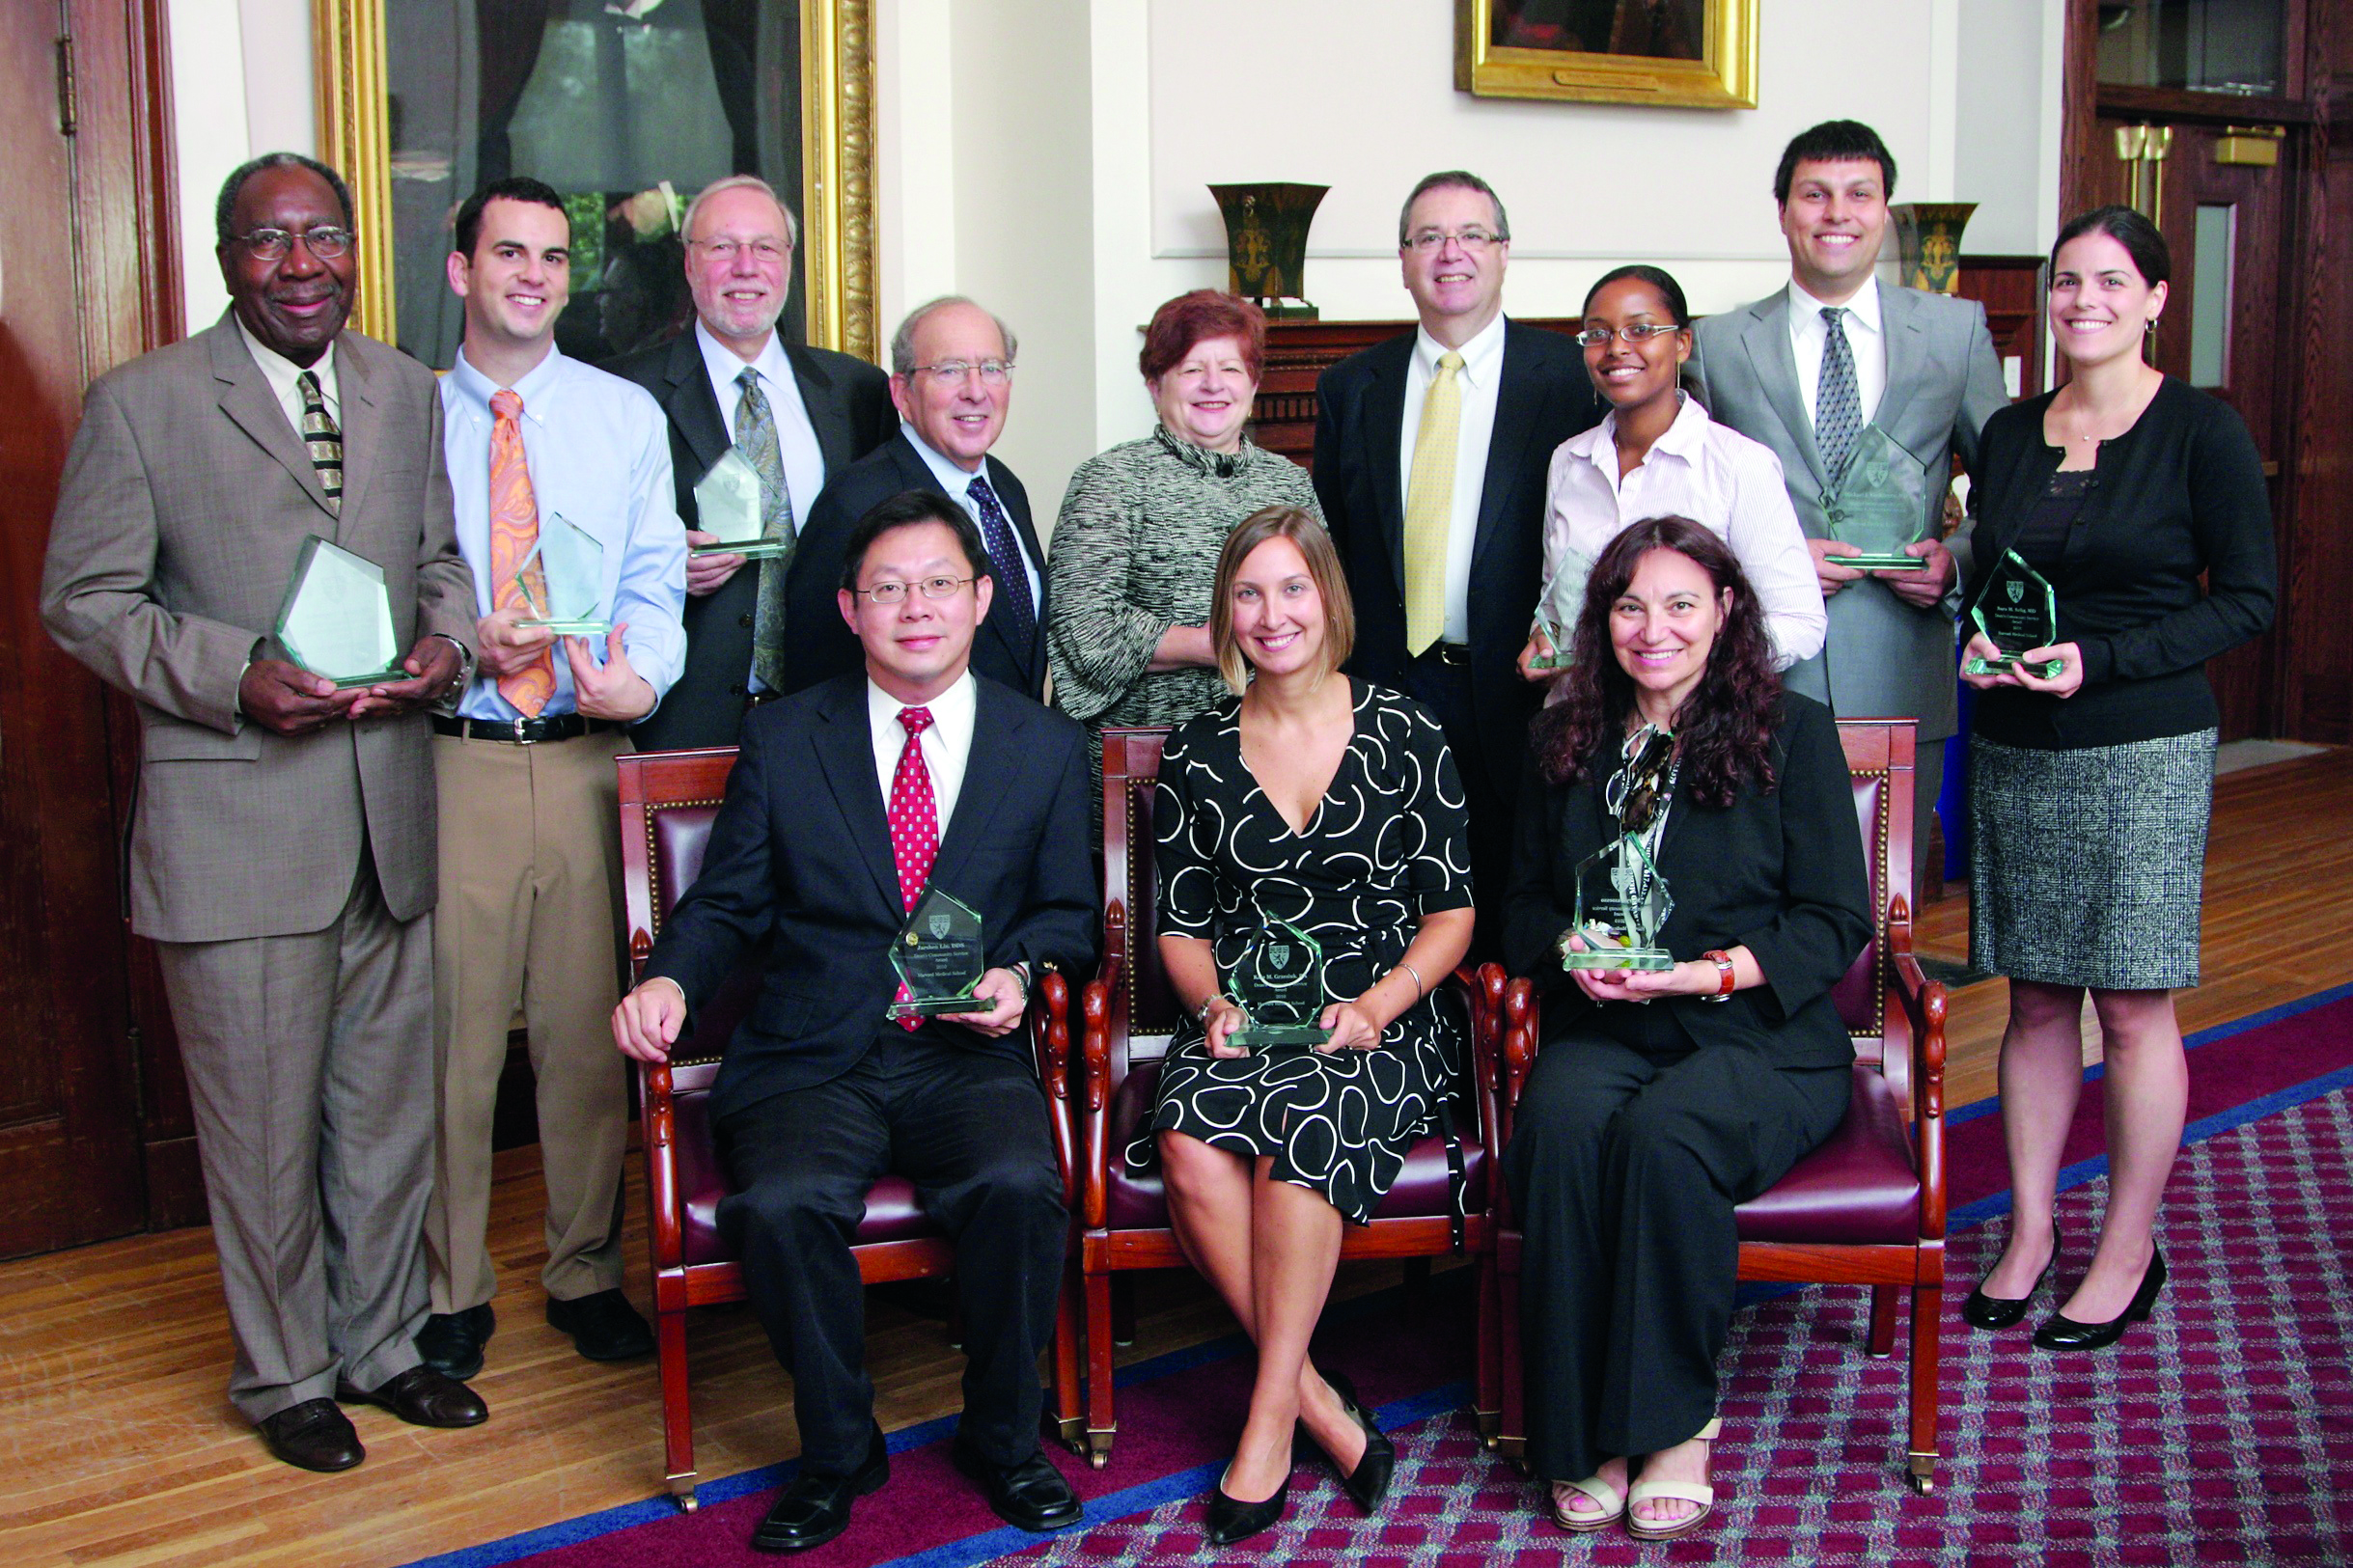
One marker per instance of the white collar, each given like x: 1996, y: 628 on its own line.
x: 283, y: 372
x: 1862, y: 311
x: 953, y: 710
x: 724, y: 365
x: 1479, y: 356
x: 1683, y: 438
x: 954, y: 479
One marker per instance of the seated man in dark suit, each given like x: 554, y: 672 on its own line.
x: 952, y: 377
x: 848, y: 801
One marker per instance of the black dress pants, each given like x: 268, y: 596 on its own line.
x: 1443, y: 686
x: 1624, y: 1165
x: 969, y: 1128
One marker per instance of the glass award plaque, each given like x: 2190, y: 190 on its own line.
x: 1558, y: 606
x: 1623, y: 904
x: 730, y: 502
x: 571, y: 579
x: 1549, y: 624
x: 938, y: 957
x: 1881, y: 504
x: 2017, y: 611
x: 1278, y: 983
x: 336, y: 618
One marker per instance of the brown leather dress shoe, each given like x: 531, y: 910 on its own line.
x: 422, y: 1397
x: 312, y: 1435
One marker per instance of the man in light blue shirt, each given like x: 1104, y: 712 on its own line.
x: 565, y: 507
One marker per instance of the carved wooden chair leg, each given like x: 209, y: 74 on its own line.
x: 1069, y: 1334
x: 678, y: 1410
x: 1101, y: 1424
x: 1928, y: 1305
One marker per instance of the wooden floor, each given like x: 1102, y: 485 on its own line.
x: 113, y: 1357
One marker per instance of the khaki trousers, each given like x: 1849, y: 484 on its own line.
x: 530, y: 913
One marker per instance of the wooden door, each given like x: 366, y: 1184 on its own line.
x: 2227, y: 328
x: 79, y: 289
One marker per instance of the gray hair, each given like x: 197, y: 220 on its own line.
x: 793, y: 224
x: 225, y: 209
x: 1454, y: 180
x: 903, y: 341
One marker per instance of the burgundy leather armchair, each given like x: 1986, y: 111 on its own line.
x: 1867, y: 1207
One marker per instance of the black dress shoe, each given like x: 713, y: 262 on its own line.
x: 312, y: 1435
x: 1030, y: 1496
x: 604, y: 1327
x: 813, y: 1508
x: 1983, y: 1311
x: 1368, y: 1482
x: 1230, y: 1520
x: 422, y: 1398
x: 2060, y: 1331
x: 451, y: 1342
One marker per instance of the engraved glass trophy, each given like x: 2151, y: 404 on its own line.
x: 730, y: 502
x: 1881, y: 504
x: 336, y: 618
x: 1623, y: 904
x: 938, y: 957
x: 1278, y: 983
x: 571, y: 579
x: 2017, y: 611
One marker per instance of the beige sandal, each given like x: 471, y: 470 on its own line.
x: 1701, y: 1493
x: 1611, y: 1503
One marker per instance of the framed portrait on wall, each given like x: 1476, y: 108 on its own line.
x: 1686, y: 54
x: 627, y: 108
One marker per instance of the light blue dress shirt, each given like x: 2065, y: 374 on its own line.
x: 598, y: 449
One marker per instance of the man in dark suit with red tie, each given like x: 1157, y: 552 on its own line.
x: 848, y: 801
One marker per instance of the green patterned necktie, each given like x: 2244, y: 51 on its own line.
x: 756, y: 439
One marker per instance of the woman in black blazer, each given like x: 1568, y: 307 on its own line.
x: 1663, y: 1098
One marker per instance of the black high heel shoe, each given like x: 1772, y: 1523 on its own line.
x: 1983, y: 1311
x: 2062, y: 1332
x: 1231, y: 1520
x: 1368, y: 1482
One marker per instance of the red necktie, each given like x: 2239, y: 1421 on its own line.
x: 915, y: 822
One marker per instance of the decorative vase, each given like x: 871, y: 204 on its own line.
x: 1266, y: 229
x: 1928, y: 243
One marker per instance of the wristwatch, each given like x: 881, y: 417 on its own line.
x: 1724, y: 974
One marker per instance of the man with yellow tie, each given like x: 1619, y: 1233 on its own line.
x: 566, y: 513
x: 1431, y: 458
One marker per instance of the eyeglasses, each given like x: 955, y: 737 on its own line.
x: 1634, y: 333
x: 326, y: 242
x: 948, y: 372
x: 724, y: 250
x: 1473, y: 239
x: 932, y: 588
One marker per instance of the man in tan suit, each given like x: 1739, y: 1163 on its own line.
x: 283, y: 852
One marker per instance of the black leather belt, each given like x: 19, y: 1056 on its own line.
x: 1453, y: 654
x: 524, y: 732
x: 759, y: 700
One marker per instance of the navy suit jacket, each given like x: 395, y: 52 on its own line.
x: 1545, y: 398
x: 849, y: 408
x: 819, y: 646
x: 801, y: 851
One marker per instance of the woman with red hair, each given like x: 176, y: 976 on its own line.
x: 1135, y: 549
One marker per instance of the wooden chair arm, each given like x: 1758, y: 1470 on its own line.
x: 1049, y: 1022
x: 660, y: 1134
x: 1924, y: 1006
x: 1094, y: 1091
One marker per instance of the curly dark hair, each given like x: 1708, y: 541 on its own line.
x: 1725, y: 730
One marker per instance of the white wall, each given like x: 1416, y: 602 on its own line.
x: 240, y: 85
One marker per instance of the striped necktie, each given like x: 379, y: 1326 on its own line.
x: 1430, y: 506
x: 756, y: 438
x: 325, y: 441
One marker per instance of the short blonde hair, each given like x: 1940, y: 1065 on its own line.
x: 1305, y: 530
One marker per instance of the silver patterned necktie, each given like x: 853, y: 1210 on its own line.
x: 1838, y: 403
x: 756, y: 439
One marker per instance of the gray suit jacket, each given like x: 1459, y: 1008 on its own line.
x: 185, y: 499
x: 1883, y: 658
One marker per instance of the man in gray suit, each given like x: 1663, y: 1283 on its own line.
x: 1811, y: 370
x: 283, y: 855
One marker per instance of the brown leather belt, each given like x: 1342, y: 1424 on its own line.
x: 524, y: 732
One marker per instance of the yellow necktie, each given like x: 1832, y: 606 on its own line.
x: 1430, y: 506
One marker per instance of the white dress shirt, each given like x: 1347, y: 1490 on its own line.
x: 796, y: 439
x: 1699, y: 469
x: 946, y: 744
x: 1483, y: 369
x: 282, y: 376
x: 958, y: 485
x: 1809, y: 333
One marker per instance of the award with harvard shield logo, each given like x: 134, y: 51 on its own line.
x: 938, y: 957
x: 2018, y: 612
x: 1623, y: 904
x: 1881, y: 504
x: 1278, y: 983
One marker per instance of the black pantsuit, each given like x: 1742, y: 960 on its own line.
x: 970, y: 1131
x: 1625, y: 1164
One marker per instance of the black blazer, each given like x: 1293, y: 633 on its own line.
x: 1544, y: 398
x: 1783, y: 874
x: 819, y: 645
x: 801, y: 849
x: 849, y: 408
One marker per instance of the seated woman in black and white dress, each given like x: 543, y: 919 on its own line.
x: 1332, y: 805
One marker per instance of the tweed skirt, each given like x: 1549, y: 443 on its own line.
x: 2085, y: 867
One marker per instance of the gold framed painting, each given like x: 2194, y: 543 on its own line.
x: 1685, y: 54
x: 626, y: 107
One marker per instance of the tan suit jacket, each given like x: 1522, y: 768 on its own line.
x: 185, y: 500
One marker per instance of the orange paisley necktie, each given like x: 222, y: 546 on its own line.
x: 514, y: 528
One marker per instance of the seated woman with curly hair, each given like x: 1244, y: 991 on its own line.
x: 1643, y: 1125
